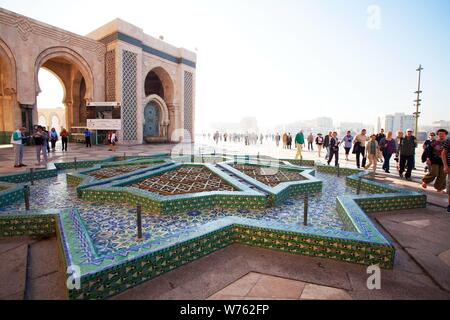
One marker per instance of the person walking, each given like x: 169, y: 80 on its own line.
x: 289, y: 141
x: 359, y: 148
x: 407, y: 151
x: 87, y: 138
x: 426, y: 144
x: 277, y: 139
x: 372, y: 152
x: 434, y: 161
x: 347, y: 140
x: 40, y: 140
x: 64, y: 134
x: 310, y: 142
x: 334, y: 149
x: 319, y: 143
x: 285, y: 140
x: 18, y: 140
x: 445, y: 156
x: 326, y: 144
x: 388, y: 147
x: 53, y: 138
x: 299, y: 142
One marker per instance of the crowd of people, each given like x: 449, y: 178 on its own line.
x: 371, y: 151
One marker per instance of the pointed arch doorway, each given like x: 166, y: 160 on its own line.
x: 156, y: 120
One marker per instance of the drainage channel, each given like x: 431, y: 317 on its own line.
x: 244, y: 182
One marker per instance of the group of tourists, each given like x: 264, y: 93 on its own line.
x: 381, y: 147
x: 44, y: 141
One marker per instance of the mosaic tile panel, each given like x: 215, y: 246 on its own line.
x: 183, y: 180
x: 129, y: 95
x: 110, y: 65
x: 189, y: 103
x: 269, y: 175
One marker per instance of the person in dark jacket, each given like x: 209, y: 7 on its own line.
x: 87, y: 138
x: 334, y: 149
x: 326, y: 144
x: 407, y: 151
x: 433, y: 154
x: 388, y: 147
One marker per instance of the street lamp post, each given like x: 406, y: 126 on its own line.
x: 418, y: 101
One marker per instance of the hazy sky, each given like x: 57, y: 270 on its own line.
x: 284, y: 60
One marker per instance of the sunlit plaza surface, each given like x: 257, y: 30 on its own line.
x: 251, y: 273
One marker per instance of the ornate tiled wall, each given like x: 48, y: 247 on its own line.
x: 27, y: 225
x: 189, y: 103
x: 129, y: 95
x: 110, y: 75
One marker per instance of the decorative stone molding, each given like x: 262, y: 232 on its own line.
x: 26, y: 27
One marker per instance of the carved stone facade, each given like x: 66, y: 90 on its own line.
x: 117, y: 62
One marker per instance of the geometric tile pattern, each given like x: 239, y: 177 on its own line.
x: 267, y: 175
x: 110, y: 172
x: 189, y: 103
x: 183, y: 180
x: 129, y: 95
x: 110, y: 66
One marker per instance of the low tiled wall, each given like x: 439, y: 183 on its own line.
x: 27, y: 225
x: 38, y: 174
x: 11, y: 193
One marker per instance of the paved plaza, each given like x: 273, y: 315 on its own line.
x: 420, y: 237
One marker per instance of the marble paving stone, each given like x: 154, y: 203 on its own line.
x: 418, y: 223
x: 13, y: 272
x: 315, y: 292
x: 43, y: 259
x: 242, y: 286
x: 445, y: 257
x: 276, y: 288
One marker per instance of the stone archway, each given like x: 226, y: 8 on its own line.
x: 76, y: 77
x: 8, y: 92
x: 156, y: 119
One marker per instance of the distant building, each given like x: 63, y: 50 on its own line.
x: 398, y: 122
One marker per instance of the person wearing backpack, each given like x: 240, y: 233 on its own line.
x: 433, y: 155
x: 17, y: 140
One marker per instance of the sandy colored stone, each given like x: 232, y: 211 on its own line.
x: 276, y: 288
x: 445, y: 257
x: 240, y: 287
x: 315, y: 292
x: 418, y: 223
